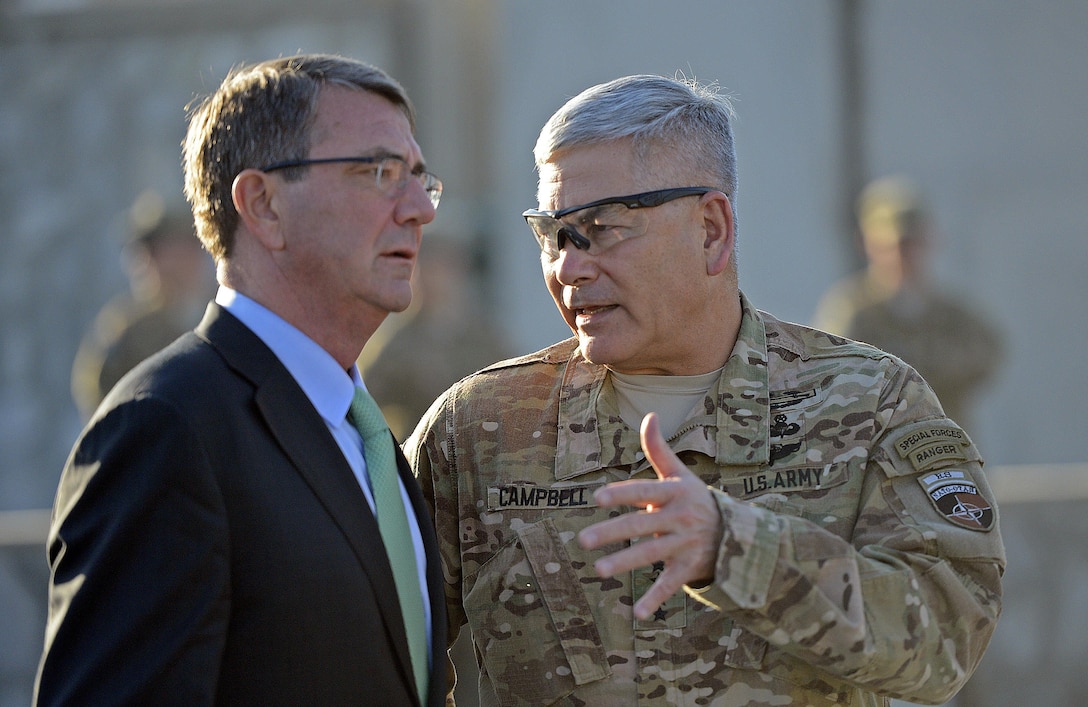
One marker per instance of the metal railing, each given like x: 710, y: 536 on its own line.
x: 19, y: 528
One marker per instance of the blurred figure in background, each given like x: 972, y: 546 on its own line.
x: 447, y: 334
x: 895, y: 304
x: 171, y: 278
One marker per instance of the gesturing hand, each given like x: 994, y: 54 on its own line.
x: 680, y: 524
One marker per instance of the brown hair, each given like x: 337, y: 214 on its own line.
x: 260, y: 114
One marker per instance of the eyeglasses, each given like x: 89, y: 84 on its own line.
x: 605, y: 222
x: 391, y: 174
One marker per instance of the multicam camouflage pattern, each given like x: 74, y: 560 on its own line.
x: 839, y: 579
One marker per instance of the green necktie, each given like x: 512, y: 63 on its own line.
x: 381, y: 467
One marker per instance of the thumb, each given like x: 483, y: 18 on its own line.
x: 655, y: 447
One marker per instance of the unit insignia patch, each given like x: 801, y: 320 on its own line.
x: 955, y: 495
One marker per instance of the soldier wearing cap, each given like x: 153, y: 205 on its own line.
x: 170, y: 280
x: 896, y: 304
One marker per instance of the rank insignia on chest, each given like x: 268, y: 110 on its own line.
x: 671, y: 614
x: 955, y: 494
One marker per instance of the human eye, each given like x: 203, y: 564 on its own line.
x: 363, y: 169
x: 392, y: 172
x: 609, y: 222
x: 592, y: 227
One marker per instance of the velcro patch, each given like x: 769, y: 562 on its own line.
x: 671, y: 614
x: 790, y: 398
x: 526, y: 496
x: 929, y: 446
x: 955, y: 495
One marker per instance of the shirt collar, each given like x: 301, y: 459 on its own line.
x: 592, y: 435
x: 315, y: 370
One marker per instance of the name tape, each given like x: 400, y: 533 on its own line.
x: 531, y: 496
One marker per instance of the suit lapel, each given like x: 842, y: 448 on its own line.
x: 435, y: 582
x: 302, y: 434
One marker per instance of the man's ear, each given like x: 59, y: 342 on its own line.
x: 718, y: 227
x: 254, y: 194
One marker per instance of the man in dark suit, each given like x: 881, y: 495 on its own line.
x: 214, y: 538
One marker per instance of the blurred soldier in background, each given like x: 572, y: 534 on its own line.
x: 171, y: 279
x: 895, y: 304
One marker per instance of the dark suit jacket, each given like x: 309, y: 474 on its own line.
x: 210, y: 545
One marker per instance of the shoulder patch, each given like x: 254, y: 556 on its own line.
x: 926, y: 446
x: 955, y: 496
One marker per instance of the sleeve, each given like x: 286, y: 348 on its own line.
x: 906, y: 606
x: 138, y: 549
x: 429, y: 452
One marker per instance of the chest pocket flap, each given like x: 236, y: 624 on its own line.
x: 566, y: 601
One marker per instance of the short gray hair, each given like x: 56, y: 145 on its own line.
x: 692, y: 119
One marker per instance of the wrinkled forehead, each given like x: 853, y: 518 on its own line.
x: 352, y: 121
x: 582, y: 174
x: 579, y: 175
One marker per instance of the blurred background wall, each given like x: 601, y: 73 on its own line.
x: 980, y: 101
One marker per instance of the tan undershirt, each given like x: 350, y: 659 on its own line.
x: 671, y: 397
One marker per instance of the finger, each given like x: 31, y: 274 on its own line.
x: 666, y: 465
x: 637, y: 493
x: 661, y: 457
x: 641, y: 554
x: 666, y: 585
x: 636, y: 524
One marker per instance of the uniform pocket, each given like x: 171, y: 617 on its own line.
x: 532, y: 622
x: 744, y: 650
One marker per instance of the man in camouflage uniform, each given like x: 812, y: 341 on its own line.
x: 796, y: 523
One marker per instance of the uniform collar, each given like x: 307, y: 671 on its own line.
x: 733, y: 427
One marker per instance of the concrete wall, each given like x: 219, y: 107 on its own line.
x: 982, y: 107
x: 981, y: 101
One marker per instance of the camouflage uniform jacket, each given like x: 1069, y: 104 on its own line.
x: 860, y: 557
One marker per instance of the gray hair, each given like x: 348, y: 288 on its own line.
x: 260, y: 114
x: 691, y: 119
